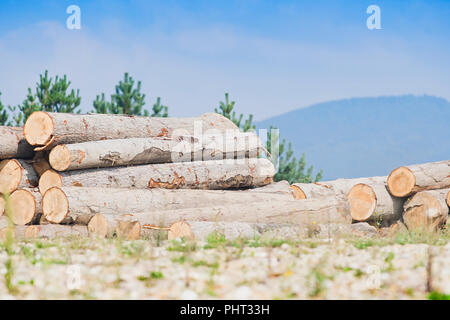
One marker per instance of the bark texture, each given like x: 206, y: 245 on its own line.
x: 86, y: 202
x: 13, y: 144
x: 120, y: 152
x: 49, y: 231
x: 214, y: 174
x: 308, y: 212
x: 405, y: 181
x: 48, y: 129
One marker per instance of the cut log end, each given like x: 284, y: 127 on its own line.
x: 23, y: 207
x: 180, y: 229
x: 128, y: 230
x: 424, y: 212
x: 32, y: 232
x: 49, y: 179
x: 10, y: 175
x: 363, y: 201
x: 298, y: 192
x: 55, y: 205
x: 59, y: 158
x: 401, y: 182
x: 98, y: 226
x: 38, y: 128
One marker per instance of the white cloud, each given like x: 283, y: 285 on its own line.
x: 192, y: 69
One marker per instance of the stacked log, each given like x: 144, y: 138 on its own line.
x: 213, y: 174
x: 128, y: 177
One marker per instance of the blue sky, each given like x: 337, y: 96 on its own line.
x: 271, y: 56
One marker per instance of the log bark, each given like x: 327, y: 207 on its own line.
x: 335, y: 188
x: 426, y: 210
x: 291, y: 211
x: 280, y: 187
x: 16, y: 174
x: 26, y: 206
x: 49, y: 129
x: 13, y: 144
x: 201, y: 230
x: 405, y: 181
x: 121, y: 152
x: 311, y: 191
x: 80, y: 203
x: 40, y: 163
x: 374, y: 203
x: 214, y: 174
x: 49, y: 231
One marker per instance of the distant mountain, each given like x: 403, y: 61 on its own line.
x: 368, y: 136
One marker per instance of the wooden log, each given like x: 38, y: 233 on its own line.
x: 336, y: 188
x: 374, y: 203
x: 426, y: 210
x: 16, y: 174
x: 13, y: 144
x: 289, y: 211
x: 48, y: 129
x: 49, y: 179
x: 202, y: 230
x: 311, y: 191
x: 280, y: 187
x: 81, y: 203
x: 405, y: 181
x: 121, y: 152
x: 40, y: 163
x: 214, y: 174
x: 49, y: 231
x: 123, y: 227
x: 26, y: 206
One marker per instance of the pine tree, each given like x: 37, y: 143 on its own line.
x: 51, y: 96
x: 127, y: 99
x: 159, y: 110
x: 226, y: 109
x: 289, y: 168
x: 3, y: 114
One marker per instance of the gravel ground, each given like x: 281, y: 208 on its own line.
x: 397, y: 268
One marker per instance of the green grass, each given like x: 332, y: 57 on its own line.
x: 438, y: 296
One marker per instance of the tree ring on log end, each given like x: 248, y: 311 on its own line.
x: 38, y: 128
x: 180, y: 229
x: 48, y: 180
x: 55, y: 205
x: 363, y: 201
x: 298, y: 192
x: 32, y: 232
x: 401, y: 182
x: 423, y: 212
x: 23, y: 207
x: 59, y: 158
x: 98, y: 226
x: 10, y: 175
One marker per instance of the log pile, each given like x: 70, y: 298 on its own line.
x: 132, y: 177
